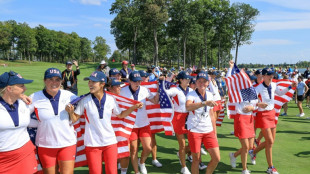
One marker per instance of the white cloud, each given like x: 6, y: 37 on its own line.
x: 292, y: 4
x: 97, y: 25
x: 52, y: 25
x: 273, y: 42
x: 283, y: 16
x: 90, y: 2
x: 283, y: 25
x: 97, y: 19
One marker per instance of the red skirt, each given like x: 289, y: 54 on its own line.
x: 21, y: 160
x: 265, y: 119
x: 244, y: 126
x: 178, y: 123
x: 218, y: 107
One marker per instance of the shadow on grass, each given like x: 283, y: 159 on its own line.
x: 230, y: 149
x: 294, y: 132
x: 305, y: 138
x: 305, y: 154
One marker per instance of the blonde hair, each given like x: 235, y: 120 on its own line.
x: 2, y: 91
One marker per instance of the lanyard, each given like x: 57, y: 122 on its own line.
x: 134, y: 93
x: 202, y: 98
x: 68, y: 76
x: 184, y: 91
x: 12, y: 110
x: 100, y: 106
x: 268, y: 89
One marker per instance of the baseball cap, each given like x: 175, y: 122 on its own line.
x: 52, y: 72
x: 213, y: 73
x: 267, y: 71
x: 124, y: 62
x: 143, y: 73
x: 97, y: 76
x: 115, y: 82
x: 183, y: 75
x: 251, y: 75
x: 257, y: 72
x: 102, y: 62
x: 132, y: 65
x: 68, y: 63
x: 135, y: 76
x: 202, y: 74
x: 12, y: 78
x: 193, y: 80
x: 113, y: 71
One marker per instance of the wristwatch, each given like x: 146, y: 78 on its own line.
x: 204, y: 103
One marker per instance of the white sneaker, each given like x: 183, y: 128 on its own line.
x: 190, y: 158
x: 203, y: 152
x: 301, y: 115
x: 156, y: 163
x: 272, y: 171
x: 232, y: 133
x: 253, y: 157
x: 185, y: 170
x: 232, y: 160
x: 245, y: 172
x: 142, y: 168
x: 202, y: 166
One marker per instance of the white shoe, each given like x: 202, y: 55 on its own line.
x: 156, y: 163
x: 232, y: 133
x: 245, y: 172
x: 190, y: 158
x: 301, y: 115
x: 203, y: 152
x: 272, y: 171
x: 185, y: 170
x: 202, y: 166
x: 253, y: 157
x: 142, y: 168
x: 232, y: 160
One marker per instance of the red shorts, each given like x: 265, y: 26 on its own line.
x: 140, y: 132
x: 218, y: 107
x: 96, y: 155
x: 244, y: 126
x: 265, y: 119
x: 208, y: 139
x: 178, y: 123
x: 21, y: 160
x: 50, y: 156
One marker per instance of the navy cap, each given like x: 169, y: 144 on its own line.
x: 267, y: 71
x: 69, y: 63
x: 143, y: 73
x: 97, y: 76
x: 193, y: 80
x: 113, y: 71
x: 12, y: 78
x: 52, y: 72
x: 135, y: 76
x: 202, y: 74
x: 115, y: 82
x: 257, y: 72
x: 214, y: 73
x: 183, y: 75
x: 251, y: 75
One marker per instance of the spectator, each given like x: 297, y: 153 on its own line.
x: 306, y: 73
x: 125, y: 71
x: 69, y: 77
x: 302, y: 89
x: 103, y: 67
x: 153, y: 75
x: 133, y: 67
x: 308, y: 92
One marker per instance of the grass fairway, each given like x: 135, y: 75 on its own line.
x: 291, y: 151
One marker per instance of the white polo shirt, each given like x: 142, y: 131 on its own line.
x: 199, y: 120
x: 12, y: 137
x: 98, y: 131
x: 141, y: 117
x: 263, y: 91
x: 179, y: 99
x: 54, y: 130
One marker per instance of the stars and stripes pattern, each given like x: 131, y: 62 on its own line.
x: 160, y: 115
x: 221, y: 117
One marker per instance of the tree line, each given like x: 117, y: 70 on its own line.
x: 20, y: 41
x: 182, y: 32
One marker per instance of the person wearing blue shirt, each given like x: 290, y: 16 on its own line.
x: 125, y: 71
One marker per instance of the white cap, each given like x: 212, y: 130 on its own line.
x: 102, y: 62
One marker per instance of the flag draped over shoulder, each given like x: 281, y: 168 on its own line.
x: 281, y: 100
x: 122, y: 129
x: 160, y: 115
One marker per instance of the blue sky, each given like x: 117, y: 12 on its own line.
x: 282, y: 31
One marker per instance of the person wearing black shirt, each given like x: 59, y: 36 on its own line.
x: 69, y: 77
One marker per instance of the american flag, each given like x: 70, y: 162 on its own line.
x: 240, y: 87
x: 122, y: 128
x: 160, y: 115
x: 221, y: 117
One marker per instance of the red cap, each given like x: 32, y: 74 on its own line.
x: 132, y: 65
x: 124, y: 62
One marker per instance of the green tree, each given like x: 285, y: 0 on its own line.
x: 74, y: 44
x: 101, y: 49
x: 85, y: 49
x: 243, y: 24
x: 117, y: 56
x: 5, y: 38
x: 26, y: 42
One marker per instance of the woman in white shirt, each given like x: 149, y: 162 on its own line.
x: 17, y: 153
x: 55, y: 138
x: 201, y: 124
x: 99, y: 138
x: 302, y: 89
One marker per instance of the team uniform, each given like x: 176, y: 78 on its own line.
x: 214, y: 89
x: 180, y: 112
x: 265, y: 117
x: 17, y: 153
x: 99, y: 138
x: 55, y: 138
x: 142, y: 124
x: 199, y: 124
